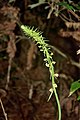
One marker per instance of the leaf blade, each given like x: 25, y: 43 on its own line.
x: 74, y: 87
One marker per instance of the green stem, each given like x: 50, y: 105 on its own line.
x: 51, y: 69
x: 57, y: 99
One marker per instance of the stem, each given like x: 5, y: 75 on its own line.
x: 5, y: 115
x: 8, y: 74
x: 51, y: 69
x: 57, y: 99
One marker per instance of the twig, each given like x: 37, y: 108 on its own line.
x: 64, y: 18
x: 11, y: 49
x: 8, y: 73
x: 75, y: 15
x: 65, y: 56
x: 58, y: 51
x: 5, y: 115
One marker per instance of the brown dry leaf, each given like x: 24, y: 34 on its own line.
x: 73, y: 24
x: 9, y: 19
x: 7, y: 27
x: 11, y: 49
x: 10, y: 12
x: 64, y: 33
x: 74, y: 34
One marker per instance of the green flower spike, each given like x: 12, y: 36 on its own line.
x: 48, y: 58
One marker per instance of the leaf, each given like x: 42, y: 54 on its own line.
x: 74, y: 86
x: 65, y: 4
x: 78, y: 98
x: 74, y: 34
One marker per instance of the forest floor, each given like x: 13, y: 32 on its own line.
x: 25, y: 95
